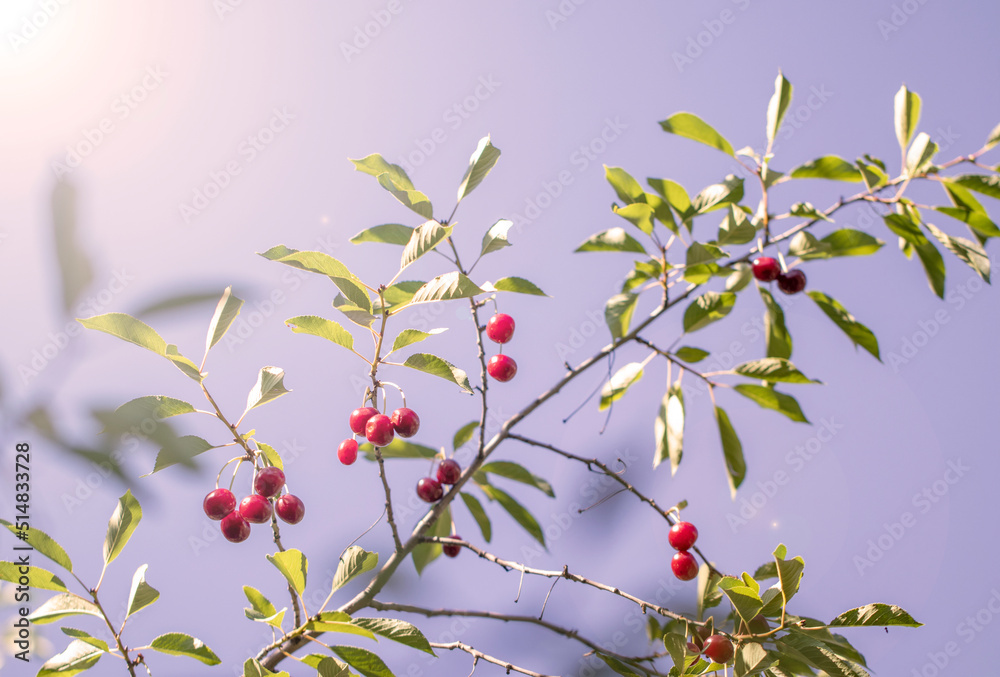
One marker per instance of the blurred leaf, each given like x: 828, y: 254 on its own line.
x: 618, y: 385
x: 638, y: 214
x: 63, y: 605
x: 691, y: 355
x: 38, y: 578
x: 179, y: 644
x: 176, y: 302
x: 668, y: 429
x: 772, y: 399
x: 87, y: 638
x: 692, y: 127
x: 180, y: 450
x: 398, y: 448
x: 518, y: 473
x: 626, y: 188
x: 918, y: 159
x: 873, y: 176
x: 778, y: 105
x: 128, y: 329
x: 74, y: 659
x: 827, y: 167
x: 478, y: 514
x: 740, y: 278
x: 123, y: 522
x: 425, y: 553
x: 618, y: 313
x: 436, y: 366
x: 76, y: 272
x: 517, y: 511
x: 969, y: 252
x: 930, y: 257
x: 732, y: 450
x: 482, y: 161
x: 464, y: 434
x: 152, y: 406
x: 806, y: 210
x: 706, y: 309
x: 729, y: 191
x: 410, y: 336
x: 818, y: 656
x: 496, y: 237
x: 987, y: 185
x: 675, y: 195
x: 611, y: 240
x: 388, y: 233
x: 779, y: 341
x: 735, y: 228
x: 907, y: 108
x: 859, y: 334
x: 321, y: 327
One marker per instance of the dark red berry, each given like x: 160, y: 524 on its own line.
x: 235, y: 528
x: 500, y: 328
x: 219, y: 503
x: 692, y: 648
x: 684, y: 565
x: 429, y: 489
x: 792, y: 282
x: 359, y: 418
x: 405, y: 422
x: 379, y: 430
x: 682, y: 536
x: 501, y: 367
x: 449, y: 471
x: 719, y: 649
x: 256, y: 509
x: 766, y: 269
x: 451, y: 549
x: 269, y: 481
x: 290, y: 508
x: 347, y: 452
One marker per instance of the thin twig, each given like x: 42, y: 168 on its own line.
x: 476, y: 655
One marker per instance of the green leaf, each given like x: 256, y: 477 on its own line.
x: 271, y: 454
x: 969, y: 252
x: 741, y: 276
x: 408, y: 197
x: 859, y: 334
x: 619, y: 667
x: 806, y: 246
x: 478, y: 514
x: 225, y: 314
x: 675, y: 195
x: 184, y: 364
x: 518, y: 473
x: 253, y: 668
x: 321, y: 327
x: 401, y: 293
x: 354, y: 291
x: 76, y: 658
x: 818, y: 655
x: 745, y: 599
x: 718, y: 195
x: 918, y: 159
x: 362, y: 660
x: 342, y: 626
x: 61, y: 606
x: 668, y: 429
x: 691, y: 355
x: 618, y: 385
x: 849, y: 242
x: 789, y: 573
x: 517, y: 511
x: 806, y: 210
x: 626, y: 188
x: 676, y: 646
x: 399, y: 448
x: 313, y: 262
x: 735, y: 228
x: 270, y: 386
x: 751, y: 658
x: 987, y: 185
x: 979, y: 222
x: 519, y: 285
x: 86, y: 637
x: 180, y: 450
x: 661, y: 211
x: 425, y: 553
x: 873, y: 176
x: 732, y: 451
x: 692, y: 127
x: 127, y: 328
x: 42, y: 543
x: 293, y: 565
x: 827, y: 167
x: 410, y: 336
x: 773, y: 369
x: 875, y: 615
x: 778, y: 105
x: 123, y: 522
x: 772, y: 399
x: 638, y: 214
x: 329, y: 666
x: 38, y: 578
x: 436, y: 366
x: 152, y: 406
x: 375, y: 165
x: 354, y: 562
x: 699, y: 264
x: 396, y: 630
x: 425, y: 238
x: 354, y: 313
x: 993, y: 139
x: 447, y: 287
x: 930, y: 257
x: 389, y: 233
x: 611, y: 240
x: 179, y: 644
x: 618, y: 313
x: 706, y: 309
x: 907, y: 108
x: 496, y: 237
x: 142, y: 593
x: 482, y: 161
x: 779, y: 341
x: 464, y: 434
x: 263, y: 610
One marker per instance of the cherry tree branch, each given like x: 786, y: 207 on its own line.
x: 479, y: 655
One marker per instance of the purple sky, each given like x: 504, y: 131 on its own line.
x: 169, y: 96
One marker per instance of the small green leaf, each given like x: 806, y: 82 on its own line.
x: 362, y: 660
x: 263, y: 610
x: 225, y: 314
x: 293, y: 565
x: 907, y: 109
x: 612, y: 240
x: 321, y: 327
x: 354, y: 292
x: 969, y: 252
x: 436, y: 366
x: 313, y: 262
x: 86, y: 637
x: 789, y: 573
x: 410, y: 336
x: 827, y: 167
x: 741, y: 276
x: 806, y: 210
x: 805, y: 246
x: 918, y: 158
x: 859, y: 334
x: 496, y: 237
x: 699, y: 265
x: 328, y: 666
x: 873, y: 176
x: 517, y: 511
x: 675, y: 195
x: 618, y: 313
x: 778, y: 105
x: 692, y: 127
x: 270, y: 386
x: 354, y: 313
x: 375, y: 165
x: 271, y: 454
x: 979, y: 222
x: 626, y: 188
x: 618, y: 385
x: 691, y: 355
x: 38, y: 578
x: 732, y: 450
x: 772, y: 399
x: 152, y: 406
x: 399, y: 448
x: 735, y: 228
x: 718, y: 195
x: 706, y: 309
x: 779, y: 341
x: 42, y: 543
x: 425, y: 238
x: 817, y: 655
x: 987, y: 185
x: 408, y: 197
x: 994, y: 138
x: 751, y: 658
x: 253, y: 668
x: 142, y: 593
x: 123, y: 522
x: 745, y: 599
x: 518, y: 473
x: 128, y: 329
x: 425, y: 553
x: 930, y: 257
x: 519, y: 285
x: 638, y: 214
x: 354, y: 562
x: 389, y: 233
x: 464, y: 434
x: 61, y: 606
x: 676, y: 646
x: 180, y: 450
x: 482, y: 161
x: 76, y: 658
x: 875, y: 615
x: 343, y: 627
x: 478, y: 514
x: 772, y: 369
x: 396, y: 630
x: 668, y: 429
x: 179, y: 644
x: 447, y: 287
x: 849, y: 242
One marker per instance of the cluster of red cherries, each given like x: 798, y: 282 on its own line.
x: 431, y: 489
x: 767, y: 269
x: 377, y: 428
x: 257, y: 508
x: 500, y: 329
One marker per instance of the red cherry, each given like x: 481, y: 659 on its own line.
x: 405, y: 422
x: 766, y: 269
x: 719, y: 649
x: 693, y: 648
x: 379, y: 430
x: 501, y: 367
x: 792, y: 282
x: 682, y: 536
x: 256, y: 509
x: 429, y: 489
x: 219, y: 503
x: 235, y: 528
x: 347, y: 452
x: 449, y: 471
x: 359, y: 417
x: 290, y: 509
x: 500, y: 328
x: 684, y: 565
x: 269, y: 481
x: 451, y: 549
